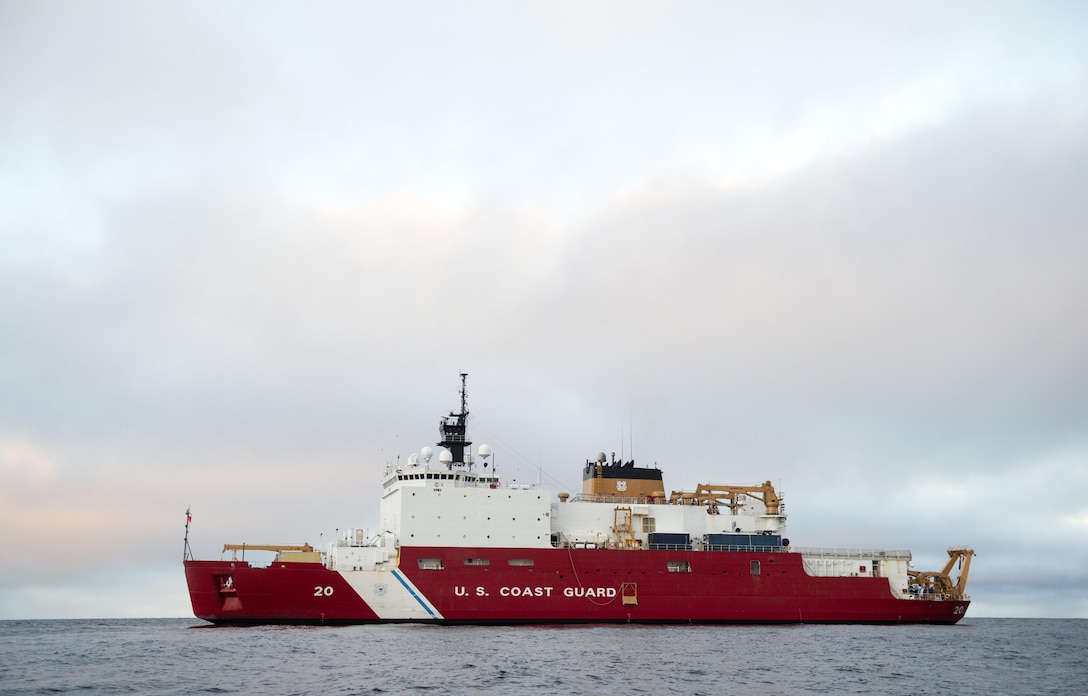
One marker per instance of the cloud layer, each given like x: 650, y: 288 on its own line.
x: 246, y: 279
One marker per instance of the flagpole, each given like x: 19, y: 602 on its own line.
x: 187, y: 554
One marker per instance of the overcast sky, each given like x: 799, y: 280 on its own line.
x: 247, y: 247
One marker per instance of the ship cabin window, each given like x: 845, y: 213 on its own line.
x: 678, y: 566
x: 649, y: 524
x: 519, y: 562
x: 429, y: 563
x: 477, y: 562
x: 754, y: 565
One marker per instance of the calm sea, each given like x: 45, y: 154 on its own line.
x: 185, y: 656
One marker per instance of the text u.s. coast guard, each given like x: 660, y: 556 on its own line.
x: 538, y: 591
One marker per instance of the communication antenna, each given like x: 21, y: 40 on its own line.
x: 453, y: 430
x: 630, y: 439
x: 631, y: 433
x: 622, y: 440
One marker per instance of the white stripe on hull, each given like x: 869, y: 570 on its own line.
x: 391, y: 595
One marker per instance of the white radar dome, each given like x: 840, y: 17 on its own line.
x: 485, y: 451
x: 427, y: 453
x: 445, y: 457
x: 601, y: 457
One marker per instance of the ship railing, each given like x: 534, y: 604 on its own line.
x: 598, y: 498
x: 675, y: 547
x: 714, y: 547
x: 760, y: 549
x: 939, y: 597
x: 851, y: 553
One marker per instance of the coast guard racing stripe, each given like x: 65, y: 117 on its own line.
x: 415, y: 593
x: 391, y: 601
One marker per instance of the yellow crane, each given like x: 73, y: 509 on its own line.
x: 714, y: 495
x: 938, y: 584
x: 278, y: 548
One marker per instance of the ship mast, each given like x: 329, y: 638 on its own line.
x: 453, y: 429
x: 187, y: 554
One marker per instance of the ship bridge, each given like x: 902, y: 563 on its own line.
x: 424, y: 507
x: 456, y: 502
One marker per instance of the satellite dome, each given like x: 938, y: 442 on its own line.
x: 445, y: 457
x: 485, y: 451
x: 427, y: 453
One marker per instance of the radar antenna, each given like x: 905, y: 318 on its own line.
x: 453, y: 429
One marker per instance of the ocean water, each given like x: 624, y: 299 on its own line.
x: 186, y: 656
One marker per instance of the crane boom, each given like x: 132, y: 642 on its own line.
x: 278, y: 548
x: 709, y: 493
x: 938, y: 584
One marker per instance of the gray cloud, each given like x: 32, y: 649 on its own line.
x: 243, y: 267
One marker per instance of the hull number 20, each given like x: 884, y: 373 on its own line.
x: 325, y: 591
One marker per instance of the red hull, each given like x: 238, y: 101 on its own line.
x: 563, y: 586
x: 283, y: 593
